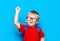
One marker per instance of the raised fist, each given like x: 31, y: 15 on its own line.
x: 18, y: 9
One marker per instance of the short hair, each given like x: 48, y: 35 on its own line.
x: 35, y: 12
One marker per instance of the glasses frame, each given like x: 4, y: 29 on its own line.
x: 33, y: 19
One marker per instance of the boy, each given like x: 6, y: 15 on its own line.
x: 30, y: 32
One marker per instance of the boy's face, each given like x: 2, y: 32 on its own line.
x: 32, y: 19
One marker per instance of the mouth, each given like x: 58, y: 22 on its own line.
x: 30, y: 22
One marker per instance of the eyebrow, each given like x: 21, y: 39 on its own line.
x: 32, y: 17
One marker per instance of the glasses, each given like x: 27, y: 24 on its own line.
x: 33, y: 19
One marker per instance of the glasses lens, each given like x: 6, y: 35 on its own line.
x: 33, y: 19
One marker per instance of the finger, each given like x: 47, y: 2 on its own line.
x: 18, y: 9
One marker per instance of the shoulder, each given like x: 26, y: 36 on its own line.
x: 22, y: 25
x: 39, y: 28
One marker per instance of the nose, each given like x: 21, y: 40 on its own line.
x: 31, y: 19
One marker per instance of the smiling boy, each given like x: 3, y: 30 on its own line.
x: 30, y: 32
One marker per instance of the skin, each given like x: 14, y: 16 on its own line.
x: 30, y: 22
x: 33, y: 23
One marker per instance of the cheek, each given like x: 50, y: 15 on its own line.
x: 27, y: 21
x: 34, y: 22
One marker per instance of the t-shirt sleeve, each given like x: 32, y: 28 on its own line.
x: 41, y: 33
x: 21, y: 28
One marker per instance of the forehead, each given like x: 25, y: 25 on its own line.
x: 33, y: 15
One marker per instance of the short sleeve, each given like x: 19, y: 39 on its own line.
x: 41, y: 33
x: 21, y: 28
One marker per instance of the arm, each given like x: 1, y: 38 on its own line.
x: 16, y: 18
x: 42, y: 39
x: 41, y: 35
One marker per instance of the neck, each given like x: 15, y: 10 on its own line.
x: 31, y: 26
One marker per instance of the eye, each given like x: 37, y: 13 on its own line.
x: 31, y: 18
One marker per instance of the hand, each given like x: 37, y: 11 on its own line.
x: 18, y: 9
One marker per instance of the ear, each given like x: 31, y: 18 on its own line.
x: 37, y: 23
x: 26, y: 20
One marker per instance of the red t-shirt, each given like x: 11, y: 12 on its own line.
x: 31, y: 34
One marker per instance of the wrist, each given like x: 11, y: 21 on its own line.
x: 17, y: 12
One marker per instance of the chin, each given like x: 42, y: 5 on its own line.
x: 31, y: 25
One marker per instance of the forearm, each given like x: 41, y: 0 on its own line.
x: 42, y: 39
x: 16, y: 18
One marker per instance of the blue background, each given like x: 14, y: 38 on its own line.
x: 49, y: 19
